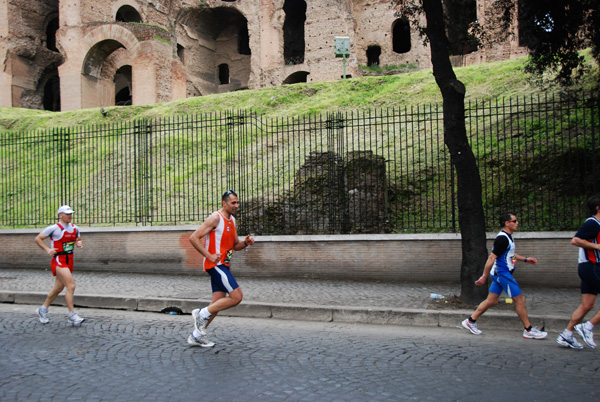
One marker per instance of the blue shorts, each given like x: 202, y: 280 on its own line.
x: 505, y: 281
x: 590, y: 278
x: 222, y: 280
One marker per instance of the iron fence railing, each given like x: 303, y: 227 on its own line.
x: 377, y: 171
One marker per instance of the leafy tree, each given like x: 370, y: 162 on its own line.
x: 553, y: 30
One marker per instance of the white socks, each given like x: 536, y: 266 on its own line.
x: 204, y: 313
x: 589, y: 326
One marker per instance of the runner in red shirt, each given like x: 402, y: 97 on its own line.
x: 216, y: 239
x: 64, y: 236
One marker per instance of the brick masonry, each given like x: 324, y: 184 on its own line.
x: 428, y: 258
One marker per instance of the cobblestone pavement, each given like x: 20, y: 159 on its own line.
x: 136, y: 356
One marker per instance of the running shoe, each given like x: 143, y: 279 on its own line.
x: 201, y: 341
x: 586, y: 334
x: 471, y: 326
x: 42, y: 315
x: 568, y: 342
x: 199, y: 321
x: 75, y: 319
x: 534, y: 334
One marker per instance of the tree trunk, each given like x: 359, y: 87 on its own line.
x: 470, y: 208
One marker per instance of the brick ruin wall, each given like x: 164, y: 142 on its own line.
x: 71, y: 54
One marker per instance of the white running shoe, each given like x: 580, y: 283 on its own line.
x: 199, y: 321
x: 471, y: 326
x: 534, y: 334
x: 568, y: 342
x: 42, y: 315
x: 201, y: 341
x: 586, y: 334
x: 75, y: 319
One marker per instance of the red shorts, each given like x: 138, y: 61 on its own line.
x: 60, y: 261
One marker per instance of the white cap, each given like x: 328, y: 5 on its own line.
x: 64, y: 209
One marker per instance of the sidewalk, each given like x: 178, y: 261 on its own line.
x: 299, y: 299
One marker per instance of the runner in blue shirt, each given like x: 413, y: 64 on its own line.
x: 499, y: 266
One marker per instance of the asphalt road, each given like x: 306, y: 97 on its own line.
x: 134, y: 356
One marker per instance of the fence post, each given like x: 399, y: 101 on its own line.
x: 336, y: 199
x: 142, y: 172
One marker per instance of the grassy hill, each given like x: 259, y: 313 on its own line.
x: 484, y: 82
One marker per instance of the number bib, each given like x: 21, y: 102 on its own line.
x: 68, y: 247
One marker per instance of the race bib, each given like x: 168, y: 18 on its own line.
x: 68, y: 247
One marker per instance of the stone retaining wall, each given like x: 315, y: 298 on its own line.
x: 433, y: 258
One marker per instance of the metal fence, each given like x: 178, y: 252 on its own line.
x: 377, y: 171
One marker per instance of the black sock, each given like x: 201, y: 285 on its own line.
x: 472, y: 321
x: 528, y: 329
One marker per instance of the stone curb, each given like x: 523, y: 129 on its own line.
x: 381, y: 316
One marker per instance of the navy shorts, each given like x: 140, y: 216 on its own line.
x: 222, y: 280
x: 590, y: 278
x: 505, y: 281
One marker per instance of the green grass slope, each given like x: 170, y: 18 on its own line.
x: 483, y: 82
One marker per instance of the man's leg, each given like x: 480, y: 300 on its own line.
x: 220, y: 302
x: 64, y: 274
x: 58, y: 287
x: 587, y: 304
x: 491, y: 300
x: 216, y: 297
x: 521, y: 310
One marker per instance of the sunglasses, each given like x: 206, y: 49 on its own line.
x: 227, y: 194
x: 513, y: 221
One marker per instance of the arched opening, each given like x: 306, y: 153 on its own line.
x: 51, y: 97
x: 460, y: 14
x: 51, y: 29
x: 223, y: 74
x: 123, y: 86
x: 293, y: 31
x: 99, y: 81
x: 401, y: 36
x: 128, y: 14
x: 94, y: 59
x: 297, y: 77
x: 373, y: 53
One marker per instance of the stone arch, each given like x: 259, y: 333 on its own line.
x: 97, y: 55
x: 293, y: 31
x: 109, y: 47
x: 401, y: 42
x: 297, y: 77
x: 102, y: 42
